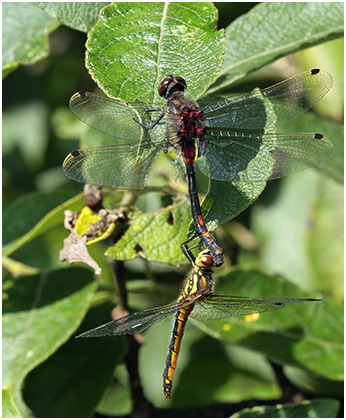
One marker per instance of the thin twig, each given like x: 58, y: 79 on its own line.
x: 140, y: 404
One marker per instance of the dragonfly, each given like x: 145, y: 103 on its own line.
x: 231, y: 139
x: 196, y: 300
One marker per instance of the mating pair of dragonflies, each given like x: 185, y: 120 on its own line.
x: 230, y: 139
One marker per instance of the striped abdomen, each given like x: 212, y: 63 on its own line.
x: 174, y: 348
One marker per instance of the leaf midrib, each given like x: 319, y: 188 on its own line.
x: 158, y: 76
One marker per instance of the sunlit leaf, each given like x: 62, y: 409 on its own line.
x: 135, y: 45
x: 155, y: 236
x: 76, y: 15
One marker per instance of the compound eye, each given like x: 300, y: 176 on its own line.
x: 164, y: 86
x: 207, y: 260
x: 181, y: 81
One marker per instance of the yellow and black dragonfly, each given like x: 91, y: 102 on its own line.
x: 196, y: 300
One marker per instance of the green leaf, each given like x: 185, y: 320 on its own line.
x: 155, y: 236
x: 116, y: 401
x: 236, y: 197
x: 24, y: 35
x: 294, y: 207
x: 82, y: 369
x: 34, y: 214
x: 318, y: 408
x: 40, y: 313
x: 25, y: 127
x: 312, y: 123
x: 230, y: 375
x: 17, y: 269
x: 239, y: 195
x: 325, y: 240
x: 135, y: 45
x: 314, y: 384
x: 306, y: 335
x: 238, y: 374
x: 271, y: 30
x: 80, y: 16
x: 12, y: 408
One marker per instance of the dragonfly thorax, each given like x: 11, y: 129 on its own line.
x: 184, y: 119
x: 198, y: 284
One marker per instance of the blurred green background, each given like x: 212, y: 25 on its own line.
x: 295, y: 229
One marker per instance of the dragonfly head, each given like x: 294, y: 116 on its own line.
x: 171, y: 86
x: 204, y: 259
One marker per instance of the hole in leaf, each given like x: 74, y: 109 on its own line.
x: 138, y: 248
x: 170, y: 218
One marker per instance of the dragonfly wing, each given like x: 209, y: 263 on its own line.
x: 248, y: 157
x: 298, y: 94
x: 265, y: 108
x: 119, y: 166
x: 295, y: 152
x: 133, y: 323
x: 110, y: 116
x: 222, y: 307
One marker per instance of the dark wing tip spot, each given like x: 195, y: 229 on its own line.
x: 75, y: 153
x: 279, y: 304
x: 315, y: 71
x: 82, y: 93
x: 318, y: 136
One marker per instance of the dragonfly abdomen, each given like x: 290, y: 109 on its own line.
x: 180, y: 320
x: 189, y: 152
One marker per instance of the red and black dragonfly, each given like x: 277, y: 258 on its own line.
x: 196, y: 300
x: 234, y: 139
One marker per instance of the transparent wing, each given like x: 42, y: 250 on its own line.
x: 119, y: 166
x: 221, y: 307
x: 111, y: 116
x: 121, y: 119
x: 134, y: 323
x: 234, y: 156
x: 287, y: 100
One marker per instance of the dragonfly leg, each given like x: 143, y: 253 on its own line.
x: 187, y: 250
x: 202, y: 147
x: 153, y: 124
x: 146, y: 107
x: 153, y: 109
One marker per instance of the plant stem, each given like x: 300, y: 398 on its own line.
x: 140, y: 404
